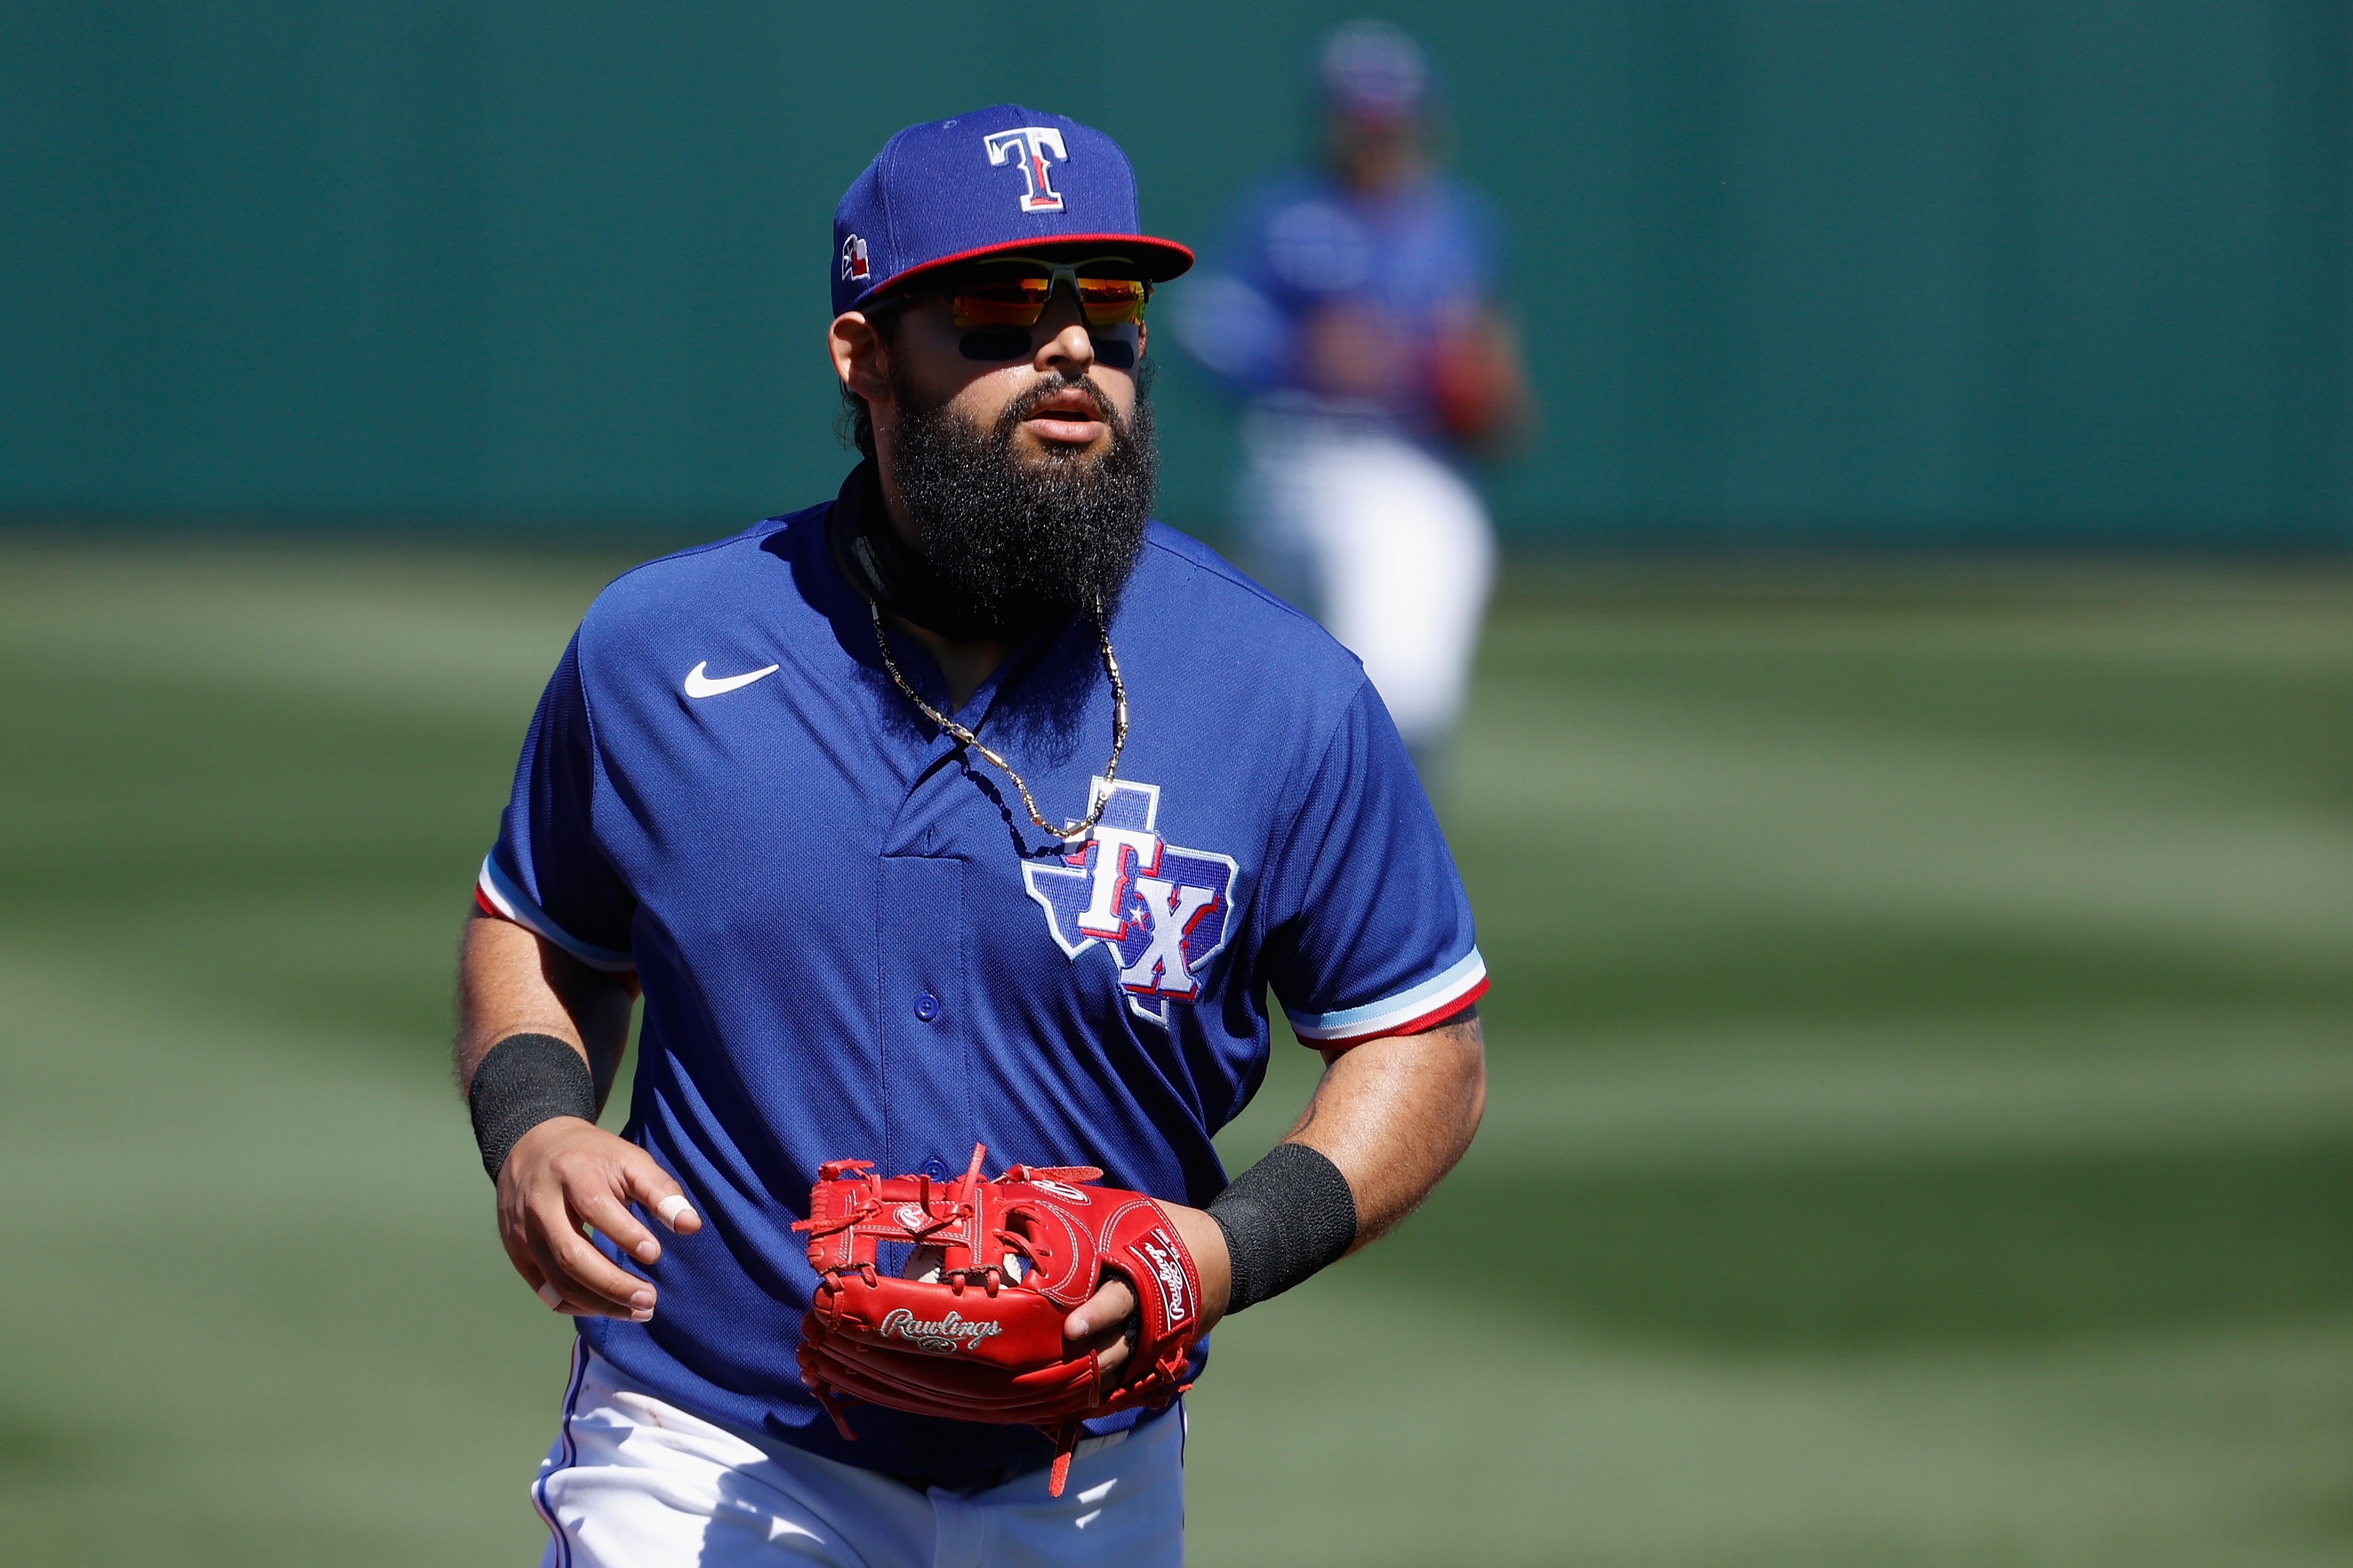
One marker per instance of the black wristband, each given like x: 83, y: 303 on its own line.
x: 1286, y: 1218
x: 521, y: 1081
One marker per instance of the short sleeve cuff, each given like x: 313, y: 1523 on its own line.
x: 496, y: 893
x: 1430, y: 1001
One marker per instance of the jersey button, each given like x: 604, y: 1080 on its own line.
x: 935, y: 1168
x: 927, y: 1006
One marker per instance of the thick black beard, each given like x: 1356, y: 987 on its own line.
x: 1026, y: 543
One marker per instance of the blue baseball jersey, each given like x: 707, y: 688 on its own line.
x: 853, y: 944
x: 1416, y: 258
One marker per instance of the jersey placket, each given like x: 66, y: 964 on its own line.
x: 921, y: 973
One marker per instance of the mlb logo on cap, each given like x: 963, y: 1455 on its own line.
x: 999, y: 180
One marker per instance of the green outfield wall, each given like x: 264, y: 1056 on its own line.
x: 2078, y: 272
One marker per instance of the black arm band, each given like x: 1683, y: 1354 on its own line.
x: 521, y: 1081
x: 1286, y: 1218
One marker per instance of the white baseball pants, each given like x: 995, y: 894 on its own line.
x: 1387, y: 545
x: 633, y: 1482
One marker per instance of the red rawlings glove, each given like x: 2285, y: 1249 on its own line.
x: 978, y: 1337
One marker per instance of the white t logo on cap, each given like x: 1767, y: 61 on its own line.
x: 1032, y: 143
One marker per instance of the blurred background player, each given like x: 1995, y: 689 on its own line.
x: 1356, y: 307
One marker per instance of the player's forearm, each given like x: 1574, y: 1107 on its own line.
x: 510, y: 983
x: 1395, y: 1115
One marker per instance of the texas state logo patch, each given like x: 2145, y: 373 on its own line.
x: 1160, y: 910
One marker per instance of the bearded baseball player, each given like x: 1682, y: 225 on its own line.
x: 955, y: 833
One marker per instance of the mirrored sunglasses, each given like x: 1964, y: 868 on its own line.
x: 1014, y: 291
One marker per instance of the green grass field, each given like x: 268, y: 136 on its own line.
x: 1921, y: 1127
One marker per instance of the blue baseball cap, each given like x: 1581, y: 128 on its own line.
x: 1374, y: 69
x: 995, y: 180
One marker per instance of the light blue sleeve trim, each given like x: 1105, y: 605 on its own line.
x: 1461, y: 979
x: 501, y: 893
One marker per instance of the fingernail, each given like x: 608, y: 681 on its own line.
x: 552, y: 1295
x: 673, y: 1207
x: 642, y: 1315
x: 643, y: 1300
x: 648, y: 1250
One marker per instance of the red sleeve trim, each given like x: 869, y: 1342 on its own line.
x: 1429, y: 1020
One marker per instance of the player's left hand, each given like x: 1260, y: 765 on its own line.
x: 1108, y: 1319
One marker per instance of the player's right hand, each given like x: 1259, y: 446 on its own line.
x: 566, y: 1174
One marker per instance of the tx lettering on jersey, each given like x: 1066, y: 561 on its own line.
x: 1161, y: 910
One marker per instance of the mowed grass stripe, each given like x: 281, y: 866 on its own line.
x: 447, y: 635
x: 2162, y: 1081
x: 256, y: 1312
x: 1674, y: 807
x: 1348, y: 1425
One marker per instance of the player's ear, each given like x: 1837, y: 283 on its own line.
x: 861, y: 358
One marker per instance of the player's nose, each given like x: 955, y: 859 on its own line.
x: 1067, y: 348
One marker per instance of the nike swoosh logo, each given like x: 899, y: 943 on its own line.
x: 701, y: 685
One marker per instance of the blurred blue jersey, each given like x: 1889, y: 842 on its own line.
x: 1413, y: 260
